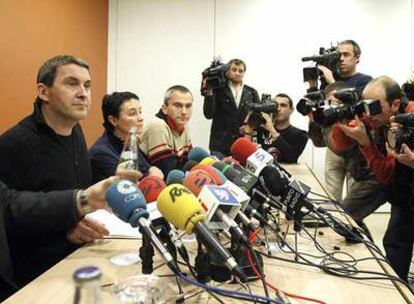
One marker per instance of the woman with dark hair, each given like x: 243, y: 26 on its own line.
x: 121, y: 111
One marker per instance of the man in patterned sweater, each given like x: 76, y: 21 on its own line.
x: 166, y: 140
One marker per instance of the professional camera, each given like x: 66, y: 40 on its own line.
x: 408, y: 88
x: 404, y: 135
x: 266, y: 105
x: 328, y: 58
x: 311, y: 102
x: 215, y: 76
x: 351, y: 105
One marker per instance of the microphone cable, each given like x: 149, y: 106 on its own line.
x: 232, y: 293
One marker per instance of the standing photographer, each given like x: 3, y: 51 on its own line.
x: 227, y: 107
x: 350, y: 53
x: 284, y: 141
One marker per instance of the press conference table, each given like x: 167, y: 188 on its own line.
x: 56, y: 285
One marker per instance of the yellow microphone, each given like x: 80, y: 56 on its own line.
x: 181, y: 208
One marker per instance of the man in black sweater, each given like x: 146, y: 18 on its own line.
x: 284, y: 141
x: 27, y: 214
x: 227, y: 107
x: 46, y: 151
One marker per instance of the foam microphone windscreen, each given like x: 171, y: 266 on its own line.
x: 208, y: 160
x: 230, y: 160
x: 175, y: 176
x: 127, y: 201
x: 197, y: 154
x: 180, y: 207
x: 189, y: 165
x: 195, y: 180
x: 151, y: 186
x: 271, y: 179
x: 242, y: 148
x: 217, y: 179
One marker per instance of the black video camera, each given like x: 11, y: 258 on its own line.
x: 351, y: 105
x: 266, y: 105
x: 215, y: 76
x: 328, y: 58
x: 408, y: 89
x: 311, y: 102
x: 404, y: 135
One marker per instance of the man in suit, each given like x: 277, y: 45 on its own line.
x: 28, y: 214
x: 227, y: 107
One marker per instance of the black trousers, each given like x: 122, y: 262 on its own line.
x: 399, y: 238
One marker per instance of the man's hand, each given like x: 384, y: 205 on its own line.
x: 86, y: 231
x: 96, y: 193
x: 268, y: 125
x: 206, y: 88
x: 358, y: 133
x: 327, y: 74
x: 154, y: 171
x: 406, y: 157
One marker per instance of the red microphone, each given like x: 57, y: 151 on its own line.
x: 151, y: 187
x: 241, y: 149
x: 210, y: 171
x: 196, y: 179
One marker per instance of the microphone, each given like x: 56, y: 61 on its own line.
x: 128, y: 203
x: 249, y: 184
x: 181, y: 208
x: 175, y: 176
x: 230, y: 160
x: 189, y: 165
x: 210, y: 171
x: 208, y: 160
x: 253, y: 158
x: 197, y: 154
x: 199, y: 178
x: 249, y: 155
x: 151, y: 187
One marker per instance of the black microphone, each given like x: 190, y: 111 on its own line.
x: 248, y: 182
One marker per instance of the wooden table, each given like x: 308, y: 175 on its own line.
x: 56, y: 285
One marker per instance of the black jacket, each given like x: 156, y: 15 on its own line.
x: 35, y: 158
x: 227, y: 118
x: 25, y: 214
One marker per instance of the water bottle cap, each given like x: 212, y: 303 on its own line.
x: 87, y: 274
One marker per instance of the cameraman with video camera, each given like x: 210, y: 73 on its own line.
x: 349, y: 55
x: 277, y: 136
x: 226, y: 105
x: 369, y: 134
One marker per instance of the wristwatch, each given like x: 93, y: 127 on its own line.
x: 82, y: 199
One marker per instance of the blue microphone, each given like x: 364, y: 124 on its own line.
x: 198, y: 154
x: 175, y: 176
x: 128, y: 203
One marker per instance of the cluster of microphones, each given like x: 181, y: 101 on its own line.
x: 210, y: 196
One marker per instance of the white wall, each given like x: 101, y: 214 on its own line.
x: 154, y: 44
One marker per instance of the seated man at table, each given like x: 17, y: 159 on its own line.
x: 46, y: 151
x: 166, y: 140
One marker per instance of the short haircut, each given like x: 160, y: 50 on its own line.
x: 236, y: 61
x: 335, y: 86
x: 170, y: 91
x: 111, y: 105
x: 47, y: 71
x: 288, y: 98
x: 391, y: 87
x: 357, y: 49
